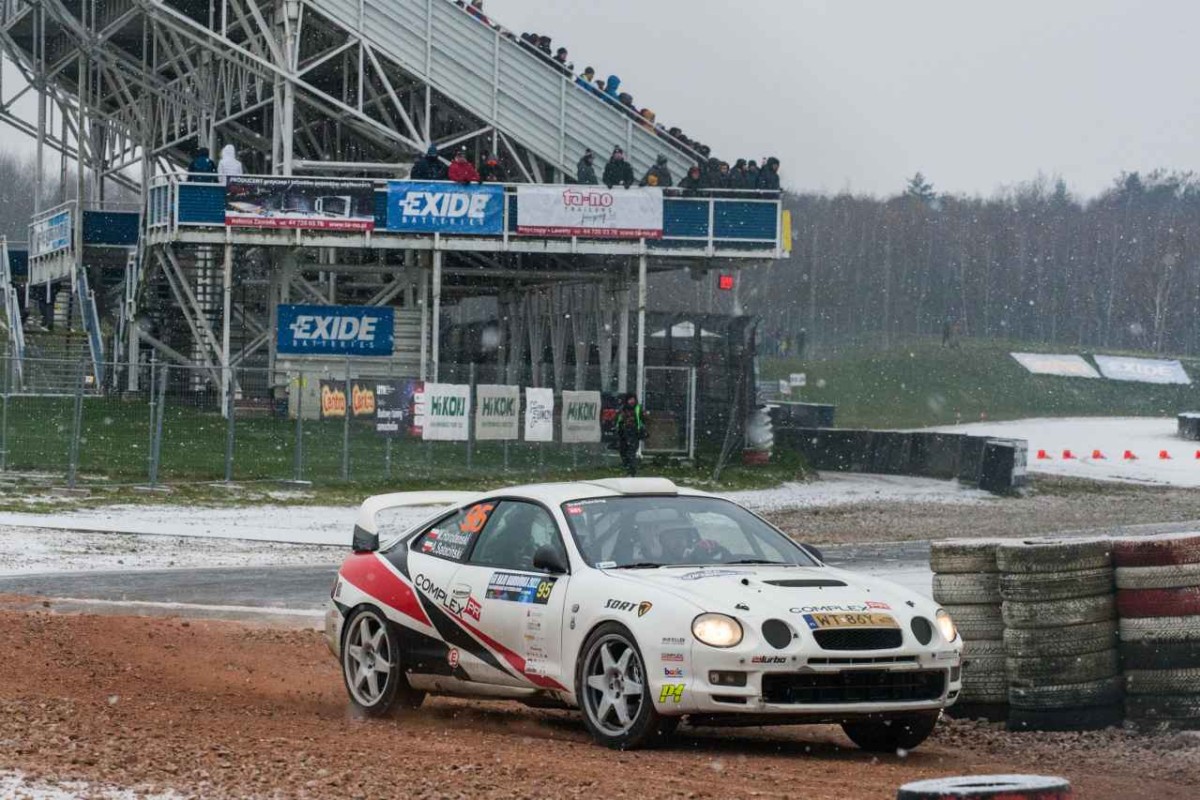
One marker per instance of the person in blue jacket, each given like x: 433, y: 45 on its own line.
x: 429, y: 167
x: 612, y: 87
x: 202, y: 164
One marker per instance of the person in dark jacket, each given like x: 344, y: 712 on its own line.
x: 768, y: 176
x: 658, y: 175
x: 617, y: 170
x: 429, y: 167
x: 737, y: 175
x: 752, y: 175
x: 585, y: 170
x: 492, y: 170
x: 463, y: 171
x: 631, y: 430
x: 202, y: 164
x: 692, y: 184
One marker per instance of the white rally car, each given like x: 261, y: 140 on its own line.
x: 638, y: 602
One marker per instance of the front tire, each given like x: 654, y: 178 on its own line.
x: 611, y: 682
x: 892, y: 733
x: 371, y: 667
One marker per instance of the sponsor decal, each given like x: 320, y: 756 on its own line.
x: 581, y: 416
x: 296, y: 203
x: 590, y: 211
x: 701, y: 574
x: 473, y: 609
x: 768, y: 660
x: 336, y: 330
x: 539, y: 415
x: 497, y: 412
x: 446, y: 543
x: 574, y: 511
x: 676, y: 641
x: 396, y: 410
x: 672, y: 672
x: 445, y: 208
x: 1142, y: 370
x: 876, y: 605
x: 476, y: 518
x: 517, y: 588
x: 445, y: 412
x: 605, y: 564
x: 831, y: 608
x: 452, y: 657
x: 625, y: 605
x: 672, y: 656
x: 671, y: 691
x: 430, y: 589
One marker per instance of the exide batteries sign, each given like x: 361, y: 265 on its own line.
x: 335, y: 330
x: 445, y: 208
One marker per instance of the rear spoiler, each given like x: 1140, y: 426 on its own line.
x: 366, y: 532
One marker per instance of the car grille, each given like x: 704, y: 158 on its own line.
x: 859, y: 638
x: 853, y: 686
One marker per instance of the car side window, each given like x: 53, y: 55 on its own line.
x: 513, y: 534
x: 451, y: 537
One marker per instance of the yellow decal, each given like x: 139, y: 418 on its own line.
x: 671, y: 691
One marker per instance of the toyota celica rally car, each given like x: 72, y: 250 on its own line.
x: 639, y: 603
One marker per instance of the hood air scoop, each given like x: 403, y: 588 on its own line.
x: 806, y: 583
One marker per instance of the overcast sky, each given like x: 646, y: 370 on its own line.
x: 860, y: 94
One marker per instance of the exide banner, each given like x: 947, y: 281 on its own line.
x: 590, y: 211
x: 474, y: 210
x: 335, y: 330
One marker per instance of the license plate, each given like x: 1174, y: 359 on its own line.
x: 820, y: 621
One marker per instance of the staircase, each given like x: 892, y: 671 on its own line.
x: 13, y: 324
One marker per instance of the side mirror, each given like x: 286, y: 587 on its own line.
x: 549, y: 559
x: 364, y: 542
x: 814, y: 552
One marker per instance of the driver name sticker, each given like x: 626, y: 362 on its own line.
x: 701, y: 574
x: 517, y: 588
x: 446, y: 543
x: 823, y: 621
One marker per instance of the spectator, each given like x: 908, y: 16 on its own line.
x: 737, y: 175
x: 617, y: 170
x: 658, y: 175
x: 647, y: 119
x: 586, y: 78
x: 543, y: 44
x: 476, y: 11
x: 691, y: 185
x: 202, y: 165
x: 612, y: 87
x: 429, y: 167
x: 626, y: 99
x: 560, y: 58
x: 463, y: 171
x: 724, y: 176
x: 768, y: 176
x: 229, y: 163
x: 492, y: 170
x: 752, y: 175
x: 585, y: 170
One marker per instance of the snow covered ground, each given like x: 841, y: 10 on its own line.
x: 1144, y: 437
x: 17, y: 786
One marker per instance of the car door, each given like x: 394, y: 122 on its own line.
x: 520, y: 611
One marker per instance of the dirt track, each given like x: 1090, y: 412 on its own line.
x: 221, y: 710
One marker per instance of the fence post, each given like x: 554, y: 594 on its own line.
x: 8, y: 382
x: 346, y: 429
x: 471, y: 418
x: 153, y: 387
x: 156, y: 433
x: 298, y: 451
x: 229, y: 427
x: 76, y: 428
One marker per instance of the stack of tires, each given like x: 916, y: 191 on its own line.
x: 1158, y: 599
x: 966, y: 582
x: 1060, y: 635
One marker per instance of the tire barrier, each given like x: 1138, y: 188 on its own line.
x: 987, y: 787
x: 1060, y: 634
x: 1159, y: 603
x: 966, y: 583
x: 1189, y: 426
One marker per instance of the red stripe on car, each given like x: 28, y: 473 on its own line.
x: 370, y: 575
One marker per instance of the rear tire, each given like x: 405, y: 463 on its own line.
x: 891, y: 734
x: 613, y: 687
x: 371, y: 665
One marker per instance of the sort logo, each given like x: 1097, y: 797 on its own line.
x: 624, y: 605
x: 671, y: 691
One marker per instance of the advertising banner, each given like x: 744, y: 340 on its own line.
x: 300, y: 203
x: 476, y: 210
x: 51, y: 234
x: 1066, y: 366
x: 581, y: 416
x: 362, y: 399
x: 591, y: 211
x: 447, y: 412
x: 539, y: 415
x: 336, y: 330
x: 396, y: 407
x: 1142, y: 370
x: 497, y: 412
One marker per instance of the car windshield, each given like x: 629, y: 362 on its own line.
x: 649, y: 532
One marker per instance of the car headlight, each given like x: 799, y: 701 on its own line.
x: 717, y: 630
x: 946, y: 625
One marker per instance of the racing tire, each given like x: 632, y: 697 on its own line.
x: 1184, y: 602
x: 984, y: 674
x: 1092, y: 718
x: 602, y: 682
x: 962, y: 556
x: 1106, y: 692
x: 1157, y: 551
x: 967, y: 589
x: 987, y: 787
x: 370, y: 649
x: 1161, y: 681
x: 1164, y: 708
x: 1068, y: 640
x: 1160, y: 655
x: 977, y: 621
x: 1054, y: 555
x: 1039, y: 587
x: 1063, y: 669
x: 1171, y: 576
x: 891, y: 734
x: 1057, y: 613
x: 1160, y: 629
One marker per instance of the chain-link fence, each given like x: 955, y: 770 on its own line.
x: 187, y: 423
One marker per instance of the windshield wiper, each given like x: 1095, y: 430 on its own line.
x: 639, y: 565
x: 758, y: 561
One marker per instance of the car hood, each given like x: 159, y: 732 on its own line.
x: 765, y: 591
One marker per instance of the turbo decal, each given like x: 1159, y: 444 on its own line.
x: 367, y: 573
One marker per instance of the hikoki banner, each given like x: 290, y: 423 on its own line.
x: 580, y: 416
x: 335, y: 330
x: 299, y: 203
x: 1063, y: 365
x: 590, y: 211
x: 1142, y: 370
x: 396, y: 407
x: 362, y: 399
x: 539, y: 415
x: 476, y: 210
x: 497, y: 412
x: 446, y: 412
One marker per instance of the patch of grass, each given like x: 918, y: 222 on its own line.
x: 919, y: 383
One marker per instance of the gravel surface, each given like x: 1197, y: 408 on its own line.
x: 220, y: 710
